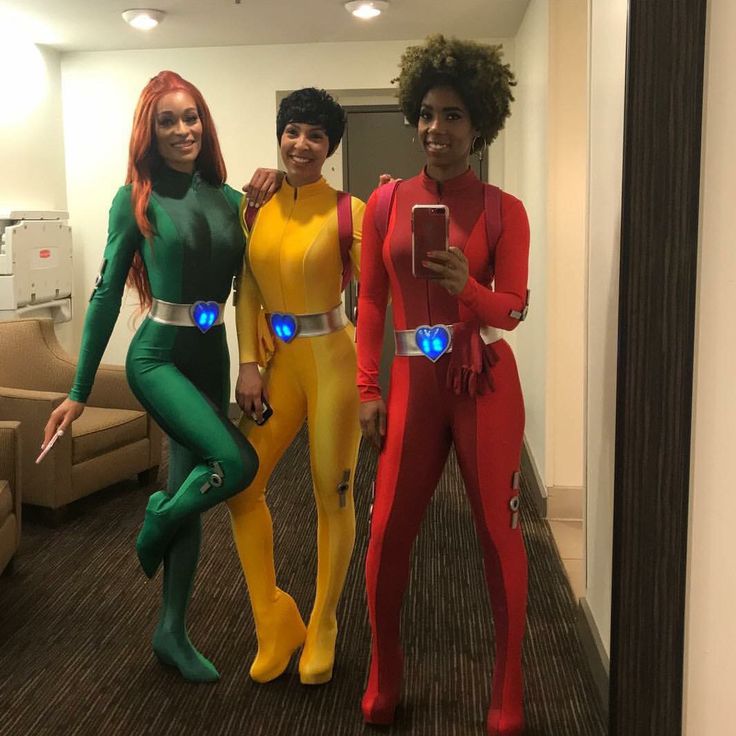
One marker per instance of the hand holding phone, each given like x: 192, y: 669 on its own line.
x: 265, y: 415
x: 51, y: 443
x: 430, y: 224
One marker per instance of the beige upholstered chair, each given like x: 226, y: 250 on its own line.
x: 9, y: 492
x: 114, y: 439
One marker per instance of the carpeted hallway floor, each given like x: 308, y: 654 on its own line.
x: 76, y: 617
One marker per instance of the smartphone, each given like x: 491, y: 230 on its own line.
x: 267, y: 413
x: 47, y: 449
x: 430, y: 225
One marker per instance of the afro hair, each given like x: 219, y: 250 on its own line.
x: 475, y: 71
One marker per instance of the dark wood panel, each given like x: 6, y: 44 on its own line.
x: 659, y: 235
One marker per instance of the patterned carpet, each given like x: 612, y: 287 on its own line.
x: 77, y: 614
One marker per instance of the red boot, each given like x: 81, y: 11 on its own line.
x: 384, y: 691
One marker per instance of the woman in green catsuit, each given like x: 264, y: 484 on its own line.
x: 174, y: 234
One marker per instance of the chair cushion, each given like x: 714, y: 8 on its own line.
x: 6, y: 500
x: 99, y: 431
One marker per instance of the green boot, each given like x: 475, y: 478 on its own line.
x: 201, y: 490
x: 171, y: 643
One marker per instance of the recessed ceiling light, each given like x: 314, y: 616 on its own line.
x: 143, y: 18
x: 366, y: 9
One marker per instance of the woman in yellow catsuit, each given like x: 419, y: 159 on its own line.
x: 303, y: 245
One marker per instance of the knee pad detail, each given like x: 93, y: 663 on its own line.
x: 515, y: 501
x: 216, y: 477
x: 343, y: 486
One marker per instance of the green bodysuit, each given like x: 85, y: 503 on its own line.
x: 179, y: 374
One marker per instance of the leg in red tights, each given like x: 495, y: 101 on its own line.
x: 488, y: 435
x: 416, y: 446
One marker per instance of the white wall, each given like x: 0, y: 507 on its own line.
x: 607, y: 56
x: 31, y: 138
x: 240, y: 84
x: 526, y: 172
x: 710, y: 647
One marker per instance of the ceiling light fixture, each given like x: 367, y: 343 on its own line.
x: 366, y: 9
x: 143, y: 18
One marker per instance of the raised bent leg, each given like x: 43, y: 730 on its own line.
x: 279, y: 627
x: 414, y: 454
x: 226, y: 461
x: 334, y: 435
x: 171, y: 642
x: 488, y: 435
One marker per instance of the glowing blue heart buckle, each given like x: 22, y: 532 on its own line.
x: 433, y: 340
x: 285, y: 326
x: 204, y: 314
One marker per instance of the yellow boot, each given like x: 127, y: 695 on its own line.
x: 279, y: 627
x: 280, y: 632
x: 335, y: 539
x: 318, y: 655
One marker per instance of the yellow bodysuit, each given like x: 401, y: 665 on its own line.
x: 293, y: 265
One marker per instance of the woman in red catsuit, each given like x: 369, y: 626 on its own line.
x: 457, y: 93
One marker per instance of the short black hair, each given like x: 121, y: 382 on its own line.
x: 314, y: 107
x: 474, y: 70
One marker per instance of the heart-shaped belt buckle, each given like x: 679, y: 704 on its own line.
x: 204, y: 314
x: 284, y: 326
x: 433, y: 341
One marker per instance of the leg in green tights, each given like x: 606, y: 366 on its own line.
x: 171, y: 642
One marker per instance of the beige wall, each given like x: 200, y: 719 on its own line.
x: 526, y: 172
x: 566, y: 238
x: 546, y: 153
x: 607, y: 59
x: 710, y: 649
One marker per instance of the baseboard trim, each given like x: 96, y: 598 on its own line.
x: 533, y: 480
x: 593, y: 651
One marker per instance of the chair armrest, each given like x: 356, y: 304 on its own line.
x: 32, y: 410
x: 111, y: 389
x: 10, y: 460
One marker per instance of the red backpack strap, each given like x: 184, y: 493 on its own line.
x: 345, y: 234
x: 384, y: 201
x: 492, y: 206
x: 249, y: 218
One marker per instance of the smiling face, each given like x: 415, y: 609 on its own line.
x: 178, y: 130
x: 445, y: 132
x: 304, y: 149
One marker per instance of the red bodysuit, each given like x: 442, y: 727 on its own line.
x: 424, y: 417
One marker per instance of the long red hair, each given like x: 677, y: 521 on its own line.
x: 144, y: 161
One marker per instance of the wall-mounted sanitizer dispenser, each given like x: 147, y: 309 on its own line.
x: 35, y: 265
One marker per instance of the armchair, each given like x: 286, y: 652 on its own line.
x: 10, y: 492
x: 113, y: 440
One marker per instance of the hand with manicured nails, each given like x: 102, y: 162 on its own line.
x: 373, y: 421
x: 451, y: 267
x: 263, y: 185
x: 61, y: 418
x: 249, y: 389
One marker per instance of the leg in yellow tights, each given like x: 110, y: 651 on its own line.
x: 303, y: 381
x: 333, y: 442
x: 279, y: 627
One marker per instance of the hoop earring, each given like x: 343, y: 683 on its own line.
x: 479, y: 152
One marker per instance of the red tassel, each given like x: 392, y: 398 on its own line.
x: 471, y: 361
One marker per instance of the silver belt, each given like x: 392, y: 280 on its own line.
x: 408, y: 341
x: 201, y: 314
x: 287, y: 326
